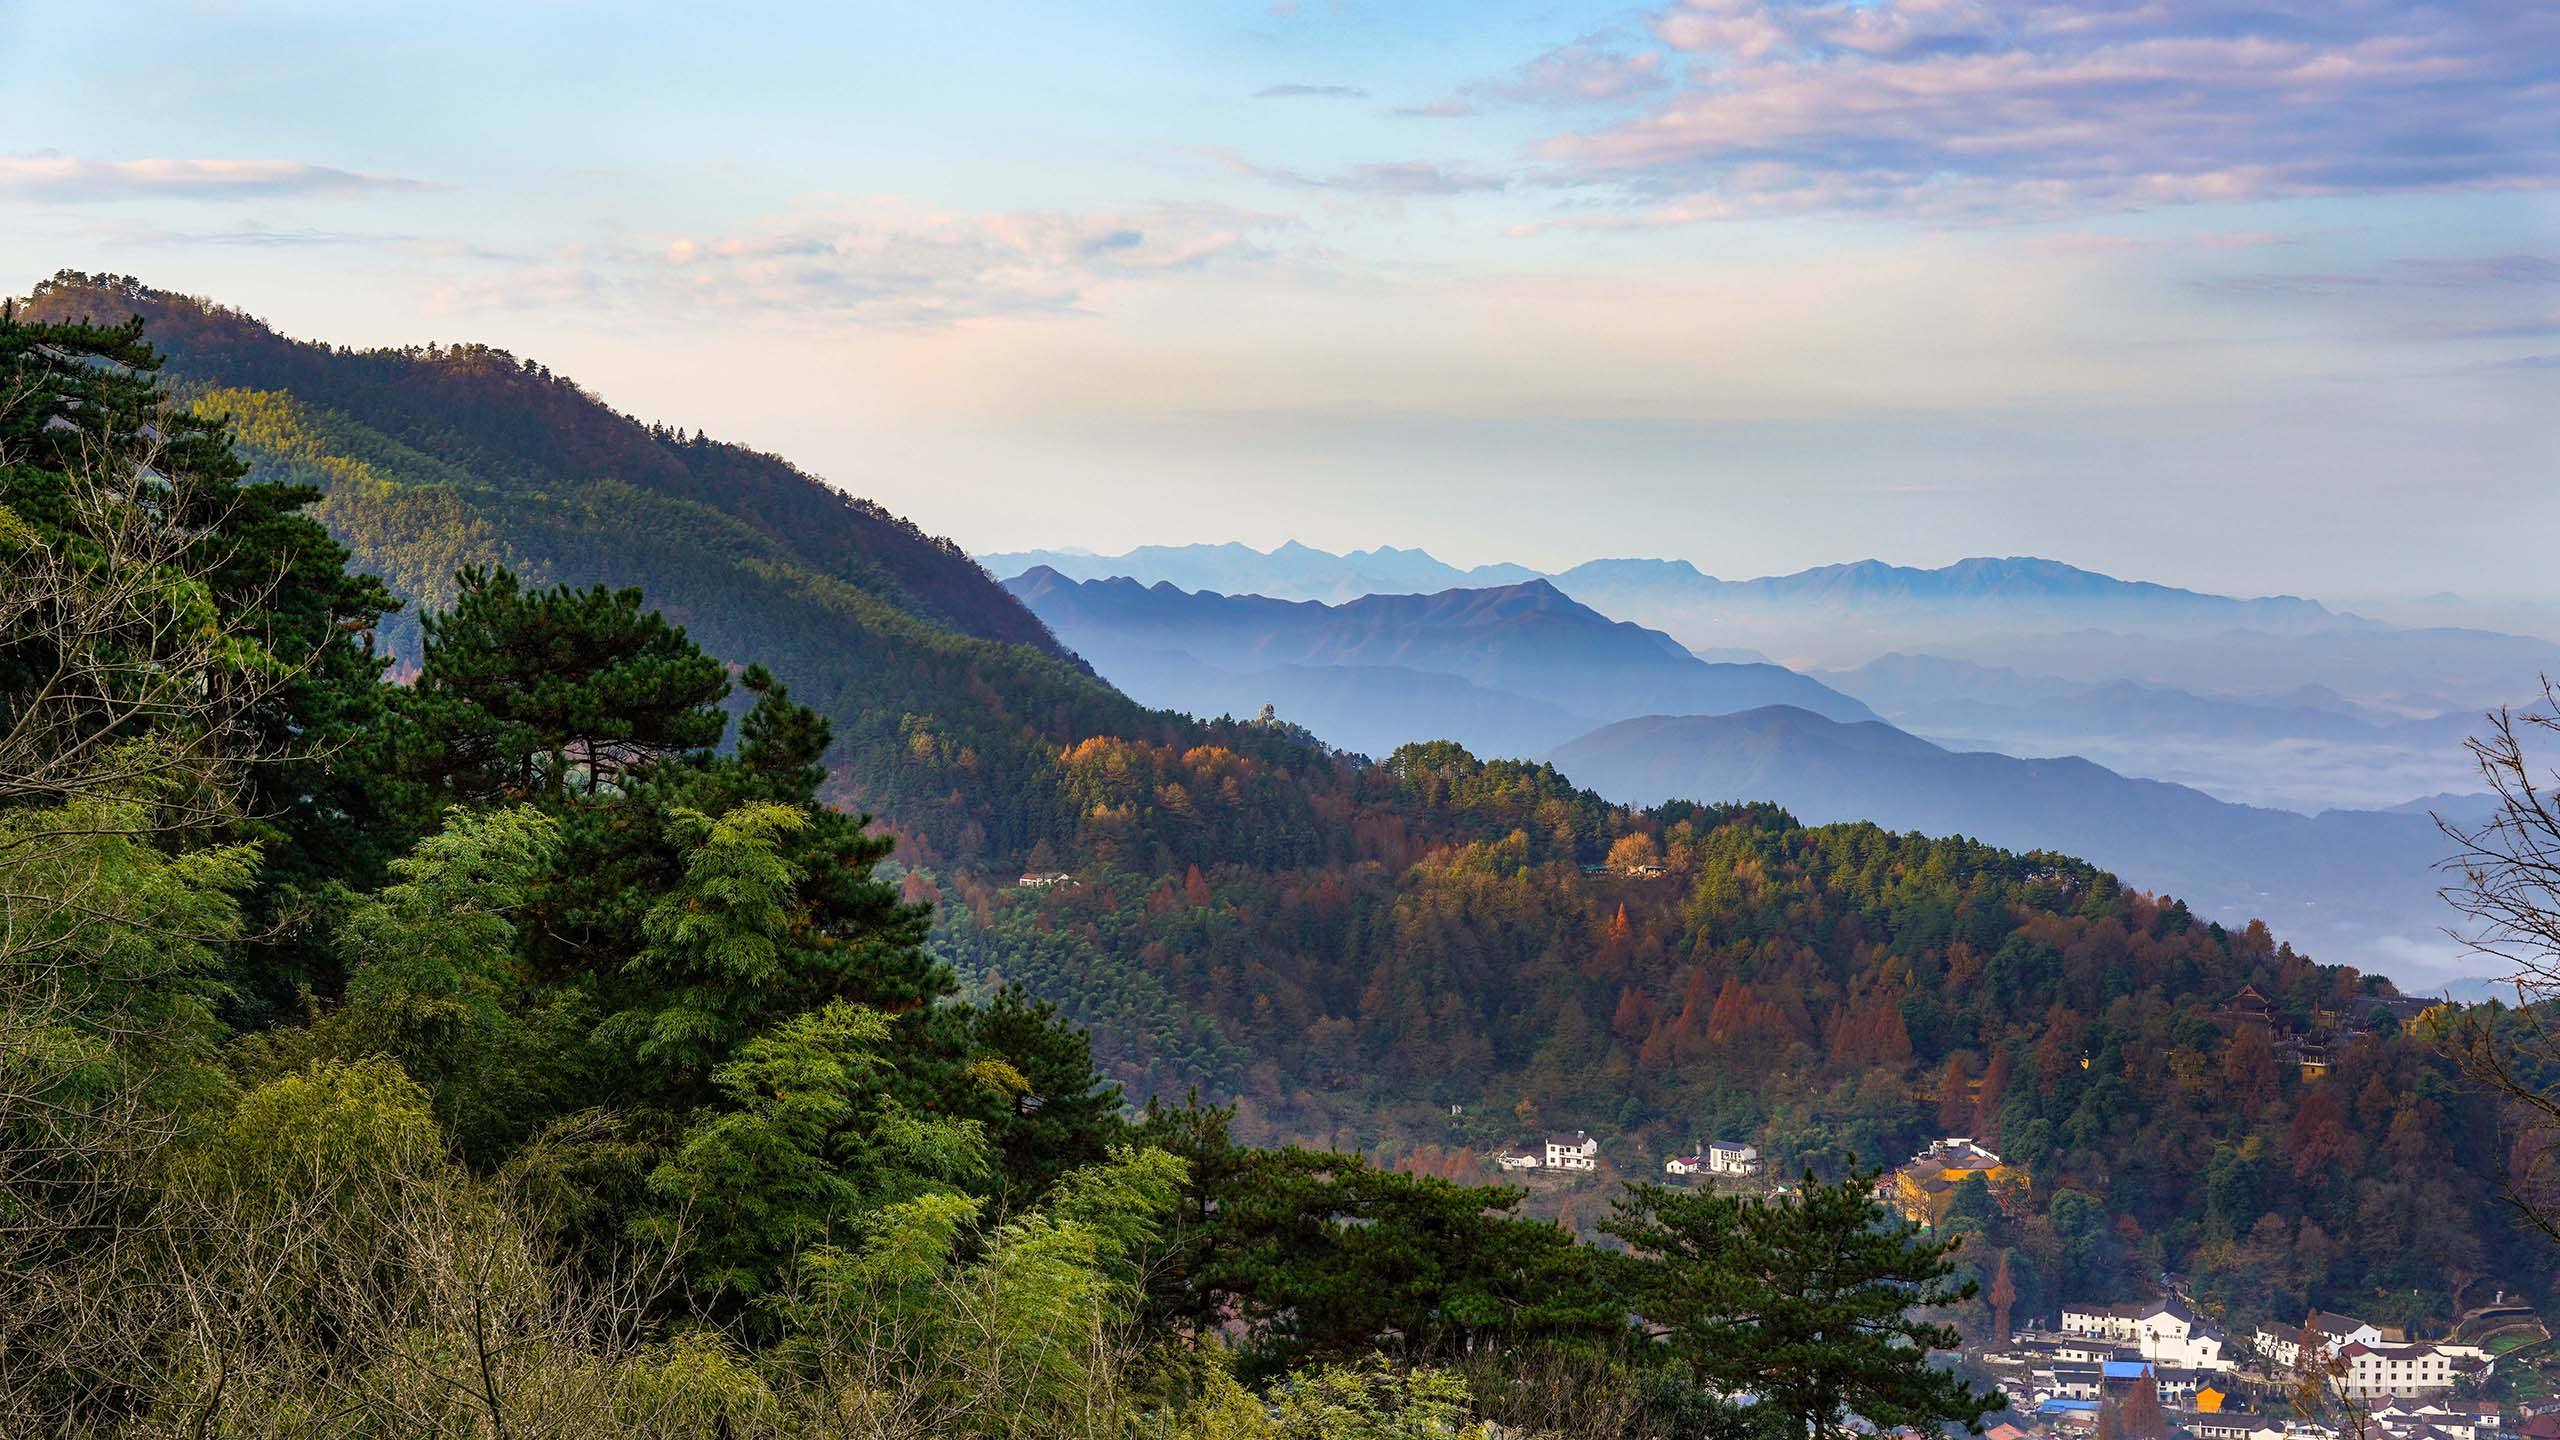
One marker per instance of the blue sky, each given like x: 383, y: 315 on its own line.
x: 2256, y: 297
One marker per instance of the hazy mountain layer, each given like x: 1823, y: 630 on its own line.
x: 1508, y: 670
x: 2304, y: 749
x: 2272, y: 700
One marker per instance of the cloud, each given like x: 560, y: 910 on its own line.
x: 2455, y: 272
x: 1392, y: 177
x: 52, y: 176
x: 1310, y: 92
x: 1975, y: 110
x: 888, y: 263
x: 2529, y: 327
x: 1578, y: 74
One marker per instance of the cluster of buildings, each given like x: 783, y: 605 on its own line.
x: 2102, y: 1349
x: 1578, y: 1153
x: 2428, y: 1420
x: 2373, y: 1362
x: 2307, y: 1045
x: 1922, y: 1187
x: 2062, y: 1378
x: 1716, y: 1157
x: 1646, y: 870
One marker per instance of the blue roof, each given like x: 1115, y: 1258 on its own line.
x: 2125, y: 1369
x: 2066, y: 1407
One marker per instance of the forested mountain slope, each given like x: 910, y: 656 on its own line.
x: 475, y: 415
x: 1350, y: 950
x: 950, y: 700
x: 2349, y: 876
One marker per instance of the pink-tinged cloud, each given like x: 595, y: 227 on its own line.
x: 1583, y: 73
x: 1573, y: 74
x: 52, y: 176
x: 1969, y: 110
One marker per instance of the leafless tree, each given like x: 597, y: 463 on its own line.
x: 2508, y: 894
x: 133, y: 680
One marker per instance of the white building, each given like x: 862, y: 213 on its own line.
x: 1727, y: 1157
x: 1515, y: 1160
x: 2294, y: 1430
x: 2282, y: 1344
x: 1685, y: 1165
x: 1958, y: 1152
x: 2378, y: 1372
x: 2457, y: 1419
x: 1576, y: 1151
x: 2164, y: 1332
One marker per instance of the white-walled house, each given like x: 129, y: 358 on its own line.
x: 2460, y: 1419
x: 2282, y: 1344
x: 1727, y: 1157
x: 1576, y: 1151
x: 1685, y: 1165
x: 2377, y: 1372
x: 1516, y: 1160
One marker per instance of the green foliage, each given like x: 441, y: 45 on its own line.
x: 1372, y: 1401
x: 716, y: 940
x: 805, y: 1143
x: 317, y: 1136
x: 436, y: 977
x: 111, y: 958
x: 971, y: 1331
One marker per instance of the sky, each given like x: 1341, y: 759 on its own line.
x: 2253, y: 297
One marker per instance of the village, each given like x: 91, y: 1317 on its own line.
x: 2162, y: 1368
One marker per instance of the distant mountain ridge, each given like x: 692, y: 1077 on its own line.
x: 2275, y: 700
x: 1510, y: 668
x: 1290, y: 572
x: 1294, y: 571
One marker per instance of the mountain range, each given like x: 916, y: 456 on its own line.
x: 2036, y: 615
x: 2273, y: 700
x: 1525, y: 670
x: 1294, y: 571
x: 1508, y: 670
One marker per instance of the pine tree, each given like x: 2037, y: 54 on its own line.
x: 554, y: 694
x: 1805, y: 1300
